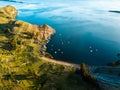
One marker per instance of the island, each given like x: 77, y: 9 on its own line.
x: 114, y: 11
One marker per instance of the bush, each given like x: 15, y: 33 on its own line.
x: 87, y: 76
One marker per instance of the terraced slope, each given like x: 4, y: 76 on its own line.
x: 22, y: 67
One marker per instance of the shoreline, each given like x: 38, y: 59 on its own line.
x: 103, y: 83
x: 77, y: 66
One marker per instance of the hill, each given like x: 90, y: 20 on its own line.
x: 22, y: 46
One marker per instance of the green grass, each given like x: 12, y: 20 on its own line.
x: 21, y: 66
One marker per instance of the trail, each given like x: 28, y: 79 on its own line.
x: 77, y: 66
x: 106, y: 81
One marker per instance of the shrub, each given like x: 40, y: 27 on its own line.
x: 87, y: 76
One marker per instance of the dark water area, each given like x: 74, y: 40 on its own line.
x: 85, y: 29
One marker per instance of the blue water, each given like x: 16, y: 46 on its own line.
x: 85, y: 30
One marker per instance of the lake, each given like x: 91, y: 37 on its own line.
x: 85, y: 29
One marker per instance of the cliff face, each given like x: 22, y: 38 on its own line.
x: 39, y: 33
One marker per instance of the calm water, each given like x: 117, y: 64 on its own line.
x: 86, y: 31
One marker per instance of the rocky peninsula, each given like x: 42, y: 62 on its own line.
x: 22, y: 46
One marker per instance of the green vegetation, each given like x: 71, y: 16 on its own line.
x: 7, y: 14
x: 87, y: 76
x: 21, y: 66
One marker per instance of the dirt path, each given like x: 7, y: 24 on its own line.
x: 62, y: 62
x: 105, y: 85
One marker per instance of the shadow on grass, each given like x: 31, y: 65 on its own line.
x: 16, y: 77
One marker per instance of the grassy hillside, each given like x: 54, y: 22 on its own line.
x: 21, y: 67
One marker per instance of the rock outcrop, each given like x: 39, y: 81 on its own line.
x: 42, y: 32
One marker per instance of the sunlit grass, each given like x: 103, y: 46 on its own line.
x: 21, y: 66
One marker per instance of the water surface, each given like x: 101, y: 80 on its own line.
x: 85, y: 30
